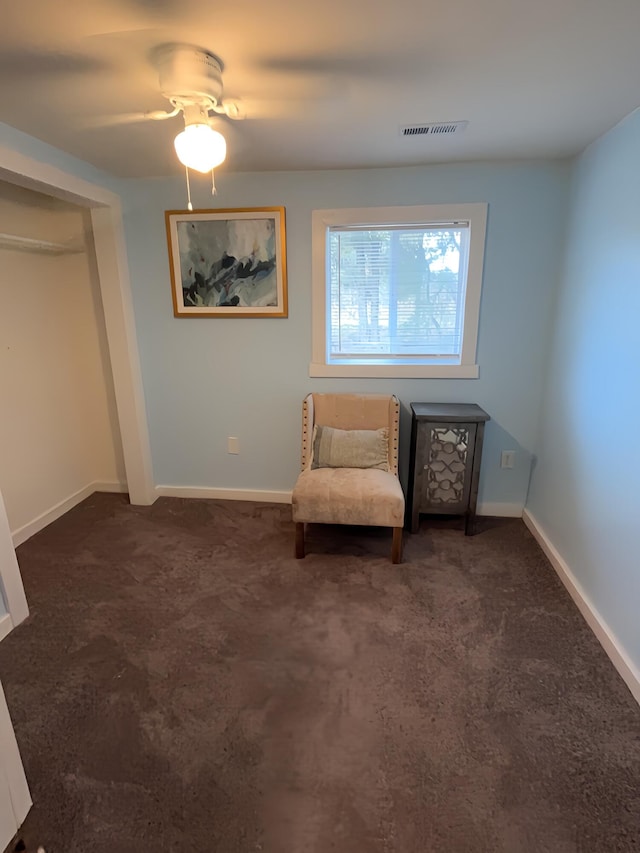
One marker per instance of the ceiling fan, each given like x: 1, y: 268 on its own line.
x: 191, y: 80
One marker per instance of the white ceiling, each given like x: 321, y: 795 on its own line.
x: 326, y: 85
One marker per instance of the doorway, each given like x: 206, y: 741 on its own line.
x: 59, y: 431
x: 103, y: 215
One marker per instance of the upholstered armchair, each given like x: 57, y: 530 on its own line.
x: 349, y: 465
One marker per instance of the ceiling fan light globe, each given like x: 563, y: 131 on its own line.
x: 200, y: 147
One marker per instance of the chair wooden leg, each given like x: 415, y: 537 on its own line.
x: 396, y: 547
x: 299, y: 540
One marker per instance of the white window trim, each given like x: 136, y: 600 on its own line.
x: 322, y: 220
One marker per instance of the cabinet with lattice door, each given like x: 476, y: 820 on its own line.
x: 444, y: 467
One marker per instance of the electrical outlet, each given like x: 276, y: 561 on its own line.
x: 233, y: 444
x: 508, y: 459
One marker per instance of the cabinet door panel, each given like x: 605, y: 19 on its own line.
x: 447, y: 462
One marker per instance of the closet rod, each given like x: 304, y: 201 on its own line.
x: 44, y: 247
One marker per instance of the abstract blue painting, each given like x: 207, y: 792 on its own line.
x: 228, y: 262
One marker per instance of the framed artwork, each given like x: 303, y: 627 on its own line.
x: 228, y: 262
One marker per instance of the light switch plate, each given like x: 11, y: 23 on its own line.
x: 508, y: 459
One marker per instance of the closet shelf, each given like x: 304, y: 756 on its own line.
x: 43, y: 247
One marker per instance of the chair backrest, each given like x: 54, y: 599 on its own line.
x: 351, y: 411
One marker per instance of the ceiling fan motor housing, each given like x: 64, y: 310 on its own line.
x: 189, y: 74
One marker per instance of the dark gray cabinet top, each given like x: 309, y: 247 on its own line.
x: 466, y: 412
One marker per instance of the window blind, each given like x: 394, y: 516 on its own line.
x: 397, y: 291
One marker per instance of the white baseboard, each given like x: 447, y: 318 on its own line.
x: 267, y: 496
x: 607, y: 639
x: 110, y: 486
x: 504, y: 510
x: 26, y: 531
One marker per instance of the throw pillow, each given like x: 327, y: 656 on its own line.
x: 353, y: 448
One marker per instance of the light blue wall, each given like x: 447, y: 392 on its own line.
x: 206, y: 379
x: 584, y: 489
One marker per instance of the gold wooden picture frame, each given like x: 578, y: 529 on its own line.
x: 229, y: 262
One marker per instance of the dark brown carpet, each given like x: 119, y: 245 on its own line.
x: 184, y: 684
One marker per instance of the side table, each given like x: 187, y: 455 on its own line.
x: 444, y: 466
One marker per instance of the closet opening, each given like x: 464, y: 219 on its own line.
x: 72, y: 411
x: 59, y: 430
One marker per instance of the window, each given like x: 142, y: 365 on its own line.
x: 396, y: 291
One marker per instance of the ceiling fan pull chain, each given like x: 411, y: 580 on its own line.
x: 189, y: 205
x: 213, y: 184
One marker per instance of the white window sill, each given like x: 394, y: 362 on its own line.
x: 395, y: 371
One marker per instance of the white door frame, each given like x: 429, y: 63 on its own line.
x: 15, y: 800
x: 115, y: 288
x: 14, y: 791
x: 12, y: 597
